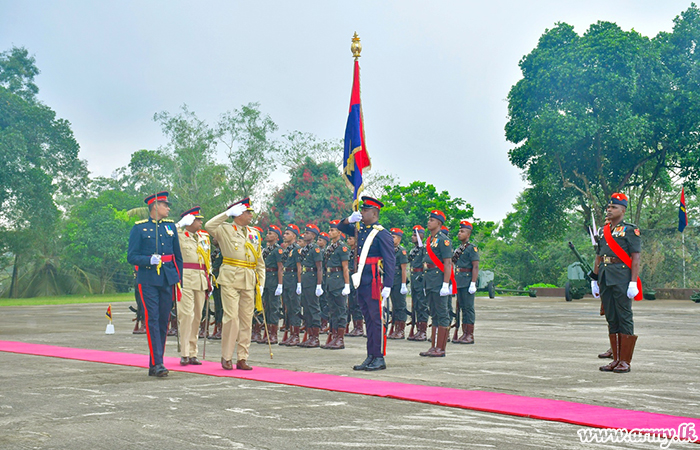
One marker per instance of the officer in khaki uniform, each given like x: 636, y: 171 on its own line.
x: 242, y: 271
x: 196, y: 256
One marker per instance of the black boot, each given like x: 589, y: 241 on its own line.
x: 364, y: 364
x: 376, y: 364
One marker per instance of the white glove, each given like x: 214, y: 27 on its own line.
x: 155, y: 259
x: 386, y: 292
x: 346, y: 290
x: 449, y: 288
x: 445, y: 289
x: 236, y: 210
x: 632, y: 290
x: 355, y: 217
x: 472, y: 287
x: 404, y: 289
x: 185, y: 221
x: 298, y: 288
x: 595, y: 289
x: 278, y: 291
x: 319, y: 290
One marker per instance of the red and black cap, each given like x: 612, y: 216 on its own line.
x: 259, y: 229
x: 324, y: 235
x: 245, y: 201
x: 275, y: 229
x: 619, y: 199
x: 369, y: 202
x: 312, y: 228
x: 334, y: 223
x: 294, y: 229
x: 419, y: 229
x: 466, y: 224
x: 397, y: 232
x: 196, y: 212
x: 437, y: 214
x: 161, y: 197
x: 444, y: 230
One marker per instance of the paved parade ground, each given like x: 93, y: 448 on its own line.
x: 541, y: 347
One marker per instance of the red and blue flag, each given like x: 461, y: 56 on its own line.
x: 682, y: 214
x: 355, y: 157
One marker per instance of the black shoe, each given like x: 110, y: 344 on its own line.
x: 161, y: 371
x: 364, y: 364
x: 184, y: 361
x: 376, y: 364
x: 151, y: 371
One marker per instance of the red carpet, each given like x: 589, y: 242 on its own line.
x: 516, y: 405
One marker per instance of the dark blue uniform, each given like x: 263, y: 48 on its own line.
x: 369, y: 290
x: 156, y: 290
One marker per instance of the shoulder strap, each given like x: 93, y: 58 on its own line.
x: 620, y: 253
x: 357, y: 276
x: 440, y: 265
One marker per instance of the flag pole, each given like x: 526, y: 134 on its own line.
x: 683, y: 247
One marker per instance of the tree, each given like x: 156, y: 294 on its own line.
x: 297, y: 146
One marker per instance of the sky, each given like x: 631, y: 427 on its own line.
x: 435, y: 75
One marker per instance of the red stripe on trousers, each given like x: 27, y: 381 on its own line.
x: 148, y: 330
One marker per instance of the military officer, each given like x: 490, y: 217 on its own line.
x: 154, y: 248
x: 242, y: 272
x: 272, y: 254
x: 311, y: 264
x: 323, y: 241
x: 438, y: 274
x: 196, y: 255
x: 291, y: 285
x: 399, y: 290
x: 372, y: 291
x: 337, y: 287
x: 419, y: 303
x: 354, y: 311
x: 616, y: 280
x: 466, y: 263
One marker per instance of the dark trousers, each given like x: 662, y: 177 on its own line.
x: 372, y: 311
x: 311, y: 306
x: 354, y: 307
x: 398, y: 304
x: 292, y: 302
x: 139, y: 303
x: 271, y: 304
x: 466, y: 305
x: 157, y: 302
x: 618, y: 308
x: 218, y: 308
x: 337, y: 311
x: 323, y: 303
x: 439, y: 309
x: 419, y: 301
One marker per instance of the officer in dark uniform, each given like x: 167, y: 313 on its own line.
x: 370, y: 293
x: 616, y: 279
x: 466, y: 264
x: 291, y: 286
x: 419, y: 303
x: 354, y: 311
x: 272, y: 254
x: 438, y: 272
x: 399, y: 289
x: 323, y: 240
x: 155, y: 249
x: 311, y: 265
x: 337, y: 287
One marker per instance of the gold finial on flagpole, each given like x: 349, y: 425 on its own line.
x: 356, y: 47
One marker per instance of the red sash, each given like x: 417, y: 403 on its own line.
x: 622, y: 255
x: 439, y: 264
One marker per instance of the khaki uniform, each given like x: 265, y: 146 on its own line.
x: 195, y: 248
x: 243, y: 263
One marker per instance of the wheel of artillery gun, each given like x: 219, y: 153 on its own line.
x: 567, y: 292
x: 492, y: 289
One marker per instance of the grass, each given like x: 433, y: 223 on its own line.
x: 68, y: 299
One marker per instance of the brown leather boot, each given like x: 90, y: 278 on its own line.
x: 432, y: 344
x: 272, y: 331
x: 605, y: 355
x: 399, y: 328
x: 412, y: 332
x: 460, y: 340
x: 172, y: 329
x: 469, y: 336
x: 325, y: 327
x: 217, y: 332
x: 358, y: 328
x: 422, y: 334
x: 330, y: 339
x: 263, y: 334
x: 627, y: 342
x: 615, y: 346
x: 312, y: 341
x: 439, y: 350
x: 202, y: 329
x: 285, y: 338
x: 339, y: 342
x: 255, y: 333
x: 390, y: 332
x: 293, y: 340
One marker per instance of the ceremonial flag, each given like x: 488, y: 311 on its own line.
x: 355, y: 157
x: 682, y: 215
x: 109, y: 312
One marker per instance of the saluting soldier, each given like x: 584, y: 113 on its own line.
x: 616, y: 279
x: 196, y: 255
x: 419, y: 302
x: 466, y: 263
x: 243, y: 270
x: 291, y: 285
x: 438, y: 275
x: 323, y: 241
x: 310, y: 264
x: 154, y: 248
x: 399, y: 289
x: 272, y: 254
x: 354, y: 311
x: 370, y: 293
x: 337, y: 287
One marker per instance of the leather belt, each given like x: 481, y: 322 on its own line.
x: 430, y: 266
x: 464, y: 269
x: 611, y: 260
x: 290, y: 269
x: 309, y: 269
x: 194, y: 266
x: 334, y: 269
x: 417, y: 269
x: 271, y: 269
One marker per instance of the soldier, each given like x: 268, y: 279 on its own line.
x: 272, y: 254
x: 466, y: 263
x: 616, y: 279
x: 337, y: 287
x: 437, y: 278
x: 370, y: 293
x: 242, y: 271
x: 399, y: 290
x: 154, y: 248
x: 354, y: 311
x: 323, y: 240
x: 310, y: 264
x: 216, y: 261
x: 140, y: 325
x: 257, y: 325
x: 419, y: 303
x: 291, y: 286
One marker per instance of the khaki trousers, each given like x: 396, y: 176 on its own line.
x: 238, y: 307
x: 189, y: 315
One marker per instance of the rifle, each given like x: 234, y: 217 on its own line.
x: 457, y: 319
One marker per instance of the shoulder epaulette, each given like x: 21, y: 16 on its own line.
x: 168, y: 220
x: 203, y: 232
x: 378, y: 227
x: 141, y: 221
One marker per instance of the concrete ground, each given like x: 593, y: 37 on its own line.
x: 542, y: 347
